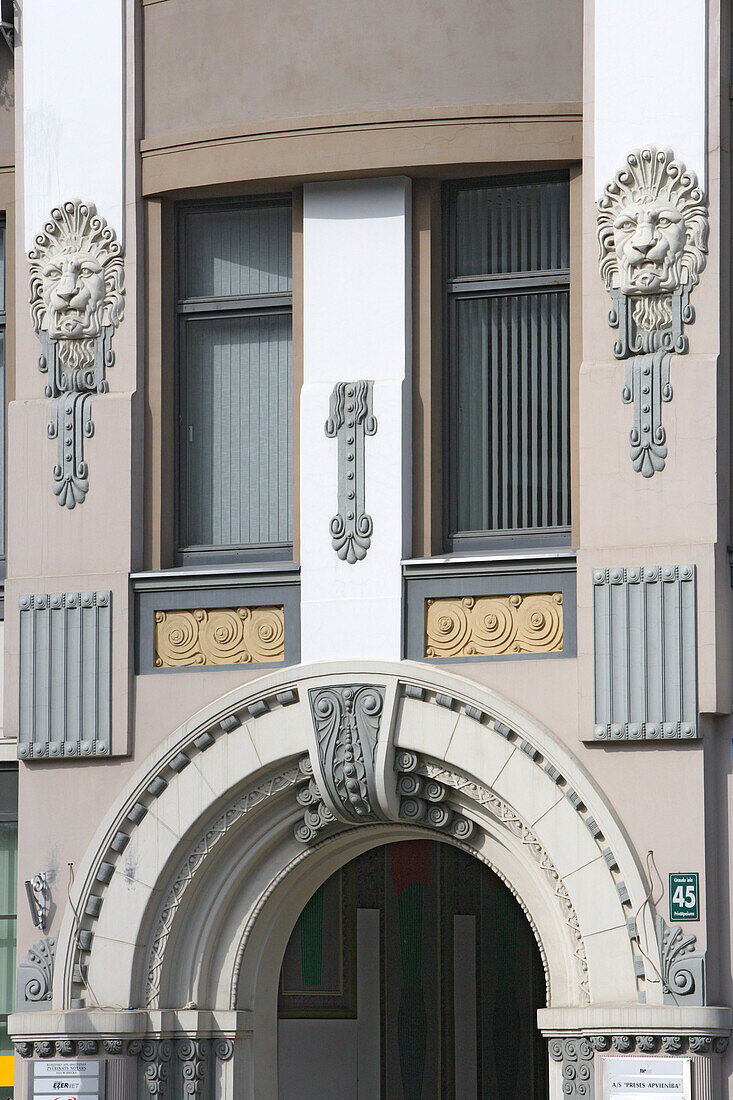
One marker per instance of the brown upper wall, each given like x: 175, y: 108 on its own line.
x: 7, y: 108
x: 213, y: 64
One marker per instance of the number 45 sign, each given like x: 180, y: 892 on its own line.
x: 684, y: 896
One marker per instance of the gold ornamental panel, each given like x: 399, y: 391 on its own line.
x: 487, y: 626
x: 219, y: 636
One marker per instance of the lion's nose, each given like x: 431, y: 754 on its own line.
x: 644, y: 239
x: 66, y: 288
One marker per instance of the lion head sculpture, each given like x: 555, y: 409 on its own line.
x: 652, y: 233
x: 76, y: 281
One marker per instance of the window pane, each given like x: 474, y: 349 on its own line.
x: 510, y: 227
x: 246, y: 251
x: 238, y: 431
x: 7, y: 966
x: 8, y: 867
x: 510, y: 431
x: 2, y: 265
x: 2, y: 442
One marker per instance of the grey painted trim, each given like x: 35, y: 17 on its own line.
x: 504, y: 579
x: 65, y: 675
x: 467, y: 565
x: 253, y: 574
x: 645, y: 653
x: 162, y: 592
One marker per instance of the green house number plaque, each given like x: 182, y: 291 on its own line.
x: 684, y: 896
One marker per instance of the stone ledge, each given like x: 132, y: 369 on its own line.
x: 627, y: 1019
x: 130, y: 1023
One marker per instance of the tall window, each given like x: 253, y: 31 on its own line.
x: 235, y: 374
x: 507, y: 380
x: 2, y: 397
x: 8, y: 917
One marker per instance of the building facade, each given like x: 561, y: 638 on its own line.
x: 368, y: 651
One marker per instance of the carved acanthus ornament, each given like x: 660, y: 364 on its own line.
x: 76, y: 303
x: 492, y: 625
x: 219, y: 636
x: 652, y: 236
x: 683, y: 968
x: 35, y: 972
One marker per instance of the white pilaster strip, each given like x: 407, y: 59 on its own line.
x: 356, y: 325
x: 73, y: 107
x: 650, y: 81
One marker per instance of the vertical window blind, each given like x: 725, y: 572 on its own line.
x: 507, y: 427
x: 8, y: 911
x: 235, y: 374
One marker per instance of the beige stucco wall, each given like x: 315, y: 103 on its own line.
x: 224, y: 62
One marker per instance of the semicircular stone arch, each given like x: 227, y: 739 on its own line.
x: 226, y: 829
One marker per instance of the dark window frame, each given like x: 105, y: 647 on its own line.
x: 3, y: 398
x: 456, y: 288
x: 8, y: 816
x: 234, y: 306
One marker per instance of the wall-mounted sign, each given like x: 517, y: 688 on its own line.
x: 684, y: 896
x: 625, y: 1078
x: 68, y: 1080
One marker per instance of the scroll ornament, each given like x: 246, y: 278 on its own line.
x: 76, y: 303
x: 35, y: 972
x: 652, y: 236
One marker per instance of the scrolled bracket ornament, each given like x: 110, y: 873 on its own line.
x: 652, y: 236
x: 76, y: 303
x: 346, y: 722
x: 351, y: 419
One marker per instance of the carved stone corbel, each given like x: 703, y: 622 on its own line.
x: 354, y: 775
x: 652, y: 236
x: 350, y: 420
x: 76, y: 303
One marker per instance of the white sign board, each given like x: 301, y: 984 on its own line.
x: 68, y: 1080
x: 625, y: 1078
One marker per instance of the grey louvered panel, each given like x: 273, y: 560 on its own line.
x: 512, y: 227
x: 2, y: 440
x: 645, y: 656
x: 231, y: 253
x: 511, y: 456
x: 238, y: 431
x: 65, y: 674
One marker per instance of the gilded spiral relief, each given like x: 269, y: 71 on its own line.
x: 486, y: 626
x: 219, y: 636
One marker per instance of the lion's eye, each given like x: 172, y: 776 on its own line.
x: 87, y: 271
x: 664, y: 222
x: 625, y: 223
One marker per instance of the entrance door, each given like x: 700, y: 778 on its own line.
x: 412, y: 974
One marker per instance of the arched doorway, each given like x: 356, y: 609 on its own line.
x: 412, y: 974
